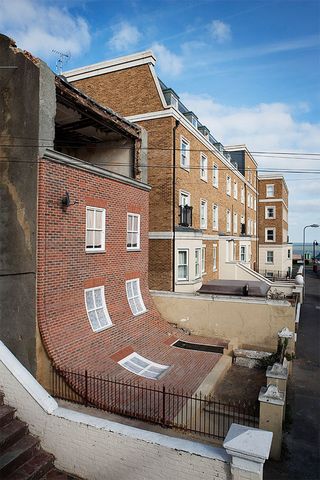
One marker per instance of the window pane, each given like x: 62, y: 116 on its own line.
x: 139, y: 361
x: 89, y: 300
x: 93, y: 320
x: 149, y: 374
x: 132, y: 367
x: 98, y: 225
x: 130, y: 219
x: 135, y: 224
x: 98, y: 297
x: 90, y: 217
x: 89, y: 239
x: 101, y: 317
x: 98, y: 239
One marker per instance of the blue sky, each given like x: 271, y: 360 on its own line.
x: 248, y: 69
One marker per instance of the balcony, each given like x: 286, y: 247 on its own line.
x: 185, y: 216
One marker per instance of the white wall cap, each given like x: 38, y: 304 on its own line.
x: 144, y: 435
x: 27, y: 381
x: 248, y: 443
x: 120, y: 63
x: 285, y: 333
x: 277, y: 370
x: 271, y: 394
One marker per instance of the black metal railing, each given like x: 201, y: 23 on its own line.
x: 162, y: 405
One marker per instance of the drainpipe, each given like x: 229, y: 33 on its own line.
x: 174, y: 206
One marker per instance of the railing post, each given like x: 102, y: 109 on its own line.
x: 163, y: 405
x: 86, y: 388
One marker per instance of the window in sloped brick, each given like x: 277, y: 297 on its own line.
x: 134, y: 297
x: 95, y: 229
x: 133, y: 231
x: 185, y: 154
x: 139, y: 365
x: 96, y: 309
x: 183, y: 264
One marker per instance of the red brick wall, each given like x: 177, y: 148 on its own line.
x: 64, y: 270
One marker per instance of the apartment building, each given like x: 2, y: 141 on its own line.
x: 275, y: 251
x: 203, y: 203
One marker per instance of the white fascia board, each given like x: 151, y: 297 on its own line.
x: 179, y: 116
x: 271, y: 200
x: 235, y: 148
x: 108, y: 66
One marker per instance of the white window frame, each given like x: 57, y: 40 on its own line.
x: 270, y: 262
x: 103, y: 307
x: 228, y: 221
x: 243, y: 253
x: 197, y: 263
x: 203, y: 167
x: 131, y: 233
x: 266, y: 212
x: 235, y: 190
x: 183, y: 195
x: 254, y: 228
x: 242, y: 195
x: 143, y: 371
x: 274, y: 234
x: 228, y: 185
x: 248, y: 200
x: 186, y: 278
x: 215, y: 175
x: 215, y: 217
x: 136, y: 302
x: 235, y: 223
x: 93, y: 229
x: 185, y: 154
x: 204, y: 218
x: 203, y: 259
x: 254, y: 203
x: 268, y: 186
x: 214, y: 257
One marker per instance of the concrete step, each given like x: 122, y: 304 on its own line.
x: 14, y: 456
x: 11, y: 432
x: 35, y: 468
x: 6, y: 414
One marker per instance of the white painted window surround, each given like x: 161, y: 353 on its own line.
x: 214, y: 262
x: 134, y: 297
x: 270, y: 212
x: 96, y: 308
x: 183, y: 264
x: 203, y: 214
x: 228, y: 221
x: 143, y: 367
x: 184, y: 198
x: 270, y: 190
x: 133, y: 231
x: 270, y: 234
x: 197, y: 260
x: 269, y: 256
x: 184, y: 154
x: 203, y: 167
x: 203, y: 259
x: 228, y: 185
x: 215, y: 176
x: 215, y: 217
x: 95, y: 229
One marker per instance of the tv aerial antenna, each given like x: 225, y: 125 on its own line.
x: 63, y: 58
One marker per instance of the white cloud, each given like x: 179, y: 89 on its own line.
x: 124, y: 36
x: 220, y: 31
x: 40, y: 28
x: 168, y: 62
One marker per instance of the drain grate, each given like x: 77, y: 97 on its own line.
x: 200, y: 347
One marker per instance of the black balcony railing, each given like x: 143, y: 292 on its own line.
x: 185, y: 215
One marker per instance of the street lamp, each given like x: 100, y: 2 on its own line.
x: 313, y: 225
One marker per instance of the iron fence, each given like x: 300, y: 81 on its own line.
x: 165, y: 406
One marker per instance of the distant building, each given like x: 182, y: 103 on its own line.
x: 275, y: 251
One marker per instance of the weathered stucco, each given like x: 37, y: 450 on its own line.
x: 255, y: 323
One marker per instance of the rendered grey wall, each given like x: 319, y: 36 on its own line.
x: 20, y: 128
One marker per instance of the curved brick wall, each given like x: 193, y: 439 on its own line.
x: 65, y: 270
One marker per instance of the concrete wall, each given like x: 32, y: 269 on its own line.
x: 254, y: 322
x: 23, y: 119
x: 96, y: 449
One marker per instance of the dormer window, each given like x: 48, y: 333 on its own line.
x: 205, y: 131
x: 192, y: 118
x: 171, y: 98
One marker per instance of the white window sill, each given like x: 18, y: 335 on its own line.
x: 102, y: 328
x: 215, y: 270
x: 139, y: 313
x: 270, y: 241
x: 215, y: 186
x: 133, y: 249
x: 204, y: 179
x: 93, y: 250
x: 187, y: 169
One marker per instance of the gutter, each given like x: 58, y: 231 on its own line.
x: 173, y: 205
